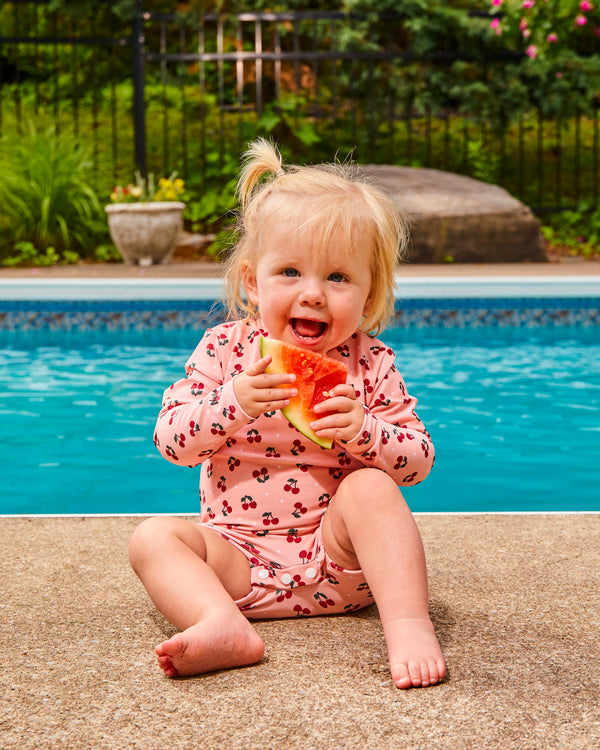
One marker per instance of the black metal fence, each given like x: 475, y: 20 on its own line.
x: 56, y: 71
x: 178, y: 92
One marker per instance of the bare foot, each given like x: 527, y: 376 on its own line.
x: 416, y: 659
x: 216, y: 642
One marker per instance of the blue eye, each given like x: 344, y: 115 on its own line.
x: 337, y: 277
x: 290, y: 272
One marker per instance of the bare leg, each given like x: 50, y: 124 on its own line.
x: 369, y: 526
x: 193, y: 576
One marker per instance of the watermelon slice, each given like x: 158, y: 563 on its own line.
x: 315, y: 374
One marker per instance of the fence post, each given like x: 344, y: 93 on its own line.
x: 139, y: 116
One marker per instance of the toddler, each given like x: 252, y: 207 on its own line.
x: 288, y: 528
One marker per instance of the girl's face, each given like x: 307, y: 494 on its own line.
x: 308, y: 298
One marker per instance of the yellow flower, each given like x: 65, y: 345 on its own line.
x: 145, y: 189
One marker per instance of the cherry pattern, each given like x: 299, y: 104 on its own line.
x: 323, y: 600
x: 297, y: 447
x: 291, y: 486
x: 292, y: 536
x: 299, y: 510
x: 301, y: 611
x: 263, y: 484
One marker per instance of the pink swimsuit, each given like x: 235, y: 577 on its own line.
x: 265, y: 487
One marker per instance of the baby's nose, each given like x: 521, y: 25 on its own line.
x: 312, y: 294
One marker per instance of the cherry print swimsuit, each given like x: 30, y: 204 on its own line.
x: 265, y: 487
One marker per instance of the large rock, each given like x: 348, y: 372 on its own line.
x: 458, y: 218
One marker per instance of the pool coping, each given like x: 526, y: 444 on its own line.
x: 430, y: 287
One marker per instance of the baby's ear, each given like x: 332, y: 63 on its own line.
x: 250, y: 284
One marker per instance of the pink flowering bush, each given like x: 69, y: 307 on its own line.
x: 545, y: 28
x: 560, y: 44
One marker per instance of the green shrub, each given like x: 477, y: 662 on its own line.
x: 45, y: 195
x: 577, y: 232
x: 26, y: 254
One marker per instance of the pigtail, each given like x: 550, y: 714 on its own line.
x: 260, y: 159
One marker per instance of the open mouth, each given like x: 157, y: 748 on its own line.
x: 308, y: 330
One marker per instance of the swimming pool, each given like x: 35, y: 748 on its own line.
x: 509, y: 387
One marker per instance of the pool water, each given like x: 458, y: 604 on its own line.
x: 514, y: 415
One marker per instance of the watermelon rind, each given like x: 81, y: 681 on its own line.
x: 296, y: 411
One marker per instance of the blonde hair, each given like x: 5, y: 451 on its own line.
x: 324, y: 199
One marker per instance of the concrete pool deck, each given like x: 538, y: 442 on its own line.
x: 515, y: 600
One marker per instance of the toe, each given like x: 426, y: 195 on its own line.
x: 165, y: 663
x: 417, y: 675
x: 441, y: 668
x: 434, y: 676
x: 403, y: 679
x: 175, y: 647
x: 426, y: 680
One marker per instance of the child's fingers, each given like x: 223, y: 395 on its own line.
x: 267, y: 406
x: 258, y: 367
x: 338, y: 426
x: 272, y: 386
x: 264, y: 395
x: 258, y: 391
x: 275, y: 379
x: 344, y: 389
x: 263, y: 379
x: 341, y: 398
x: 342, y: 417
x: 336, y: 404
x: 330, y: 422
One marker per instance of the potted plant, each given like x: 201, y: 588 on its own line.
x: 146, y: 218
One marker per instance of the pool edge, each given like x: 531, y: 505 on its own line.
x: 438, y: 287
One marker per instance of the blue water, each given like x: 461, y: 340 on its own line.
x: 514, y: 414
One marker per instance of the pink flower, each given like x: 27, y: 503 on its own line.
x: 558, y: 74
x: 580, y: 20
x: 552, y: 37
x: 531, y: 51
x: 585, y: 5
x: 497, y: 3
x: 523, y: 24
x: 528, y: 3
x: 495, y: 25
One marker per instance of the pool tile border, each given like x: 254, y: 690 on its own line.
x: 93, y: 304
x: 94, y: 315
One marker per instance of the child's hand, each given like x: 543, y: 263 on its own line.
x: 257, y: 391
x: 347, y: 417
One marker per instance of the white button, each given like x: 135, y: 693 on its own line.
x: 286, y: 578
x: 311, y: 573
x: 263, y: 573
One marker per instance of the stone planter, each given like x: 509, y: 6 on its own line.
x: 145, y: 233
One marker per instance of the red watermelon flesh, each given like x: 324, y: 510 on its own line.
x: 315, y: 374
